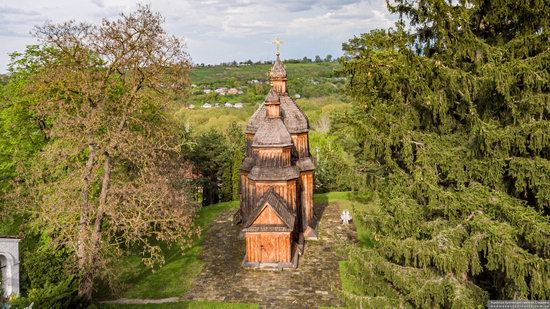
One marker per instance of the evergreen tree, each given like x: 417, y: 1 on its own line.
x: 238, y: 158
x: 226, y: 190
x: 451, y: 125
x: 209, y: 158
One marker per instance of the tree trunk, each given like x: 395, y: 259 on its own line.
x: 83, y: 234
x: 87, y: 280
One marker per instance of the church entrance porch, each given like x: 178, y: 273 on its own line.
x: 312, y: 284
x: 270, y: 250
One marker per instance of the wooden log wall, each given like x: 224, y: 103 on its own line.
x: 244, y: 195
x: 274, y: 157
x: 301, y: 142
x: 273, y: 110
x: 287, y: 190
x: 306, y: 183
x: 251, y: 195
x: 279, y: 86
x: 268, y: 217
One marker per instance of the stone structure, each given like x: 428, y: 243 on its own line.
x: 9, y: 265
x: 276, y: 180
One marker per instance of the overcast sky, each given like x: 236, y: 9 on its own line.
x: 215, y: 30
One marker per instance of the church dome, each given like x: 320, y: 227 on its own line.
x: 278, y: 70
x: 272, y: 97
x: 254, y: 122
x: 272, y: 133
x: 294, y: 119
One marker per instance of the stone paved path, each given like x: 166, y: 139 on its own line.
x: 311, y: 285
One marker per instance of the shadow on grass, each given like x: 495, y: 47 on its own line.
x: 175, y: 277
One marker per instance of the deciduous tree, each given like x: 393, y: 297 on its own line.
x: 110, y: 176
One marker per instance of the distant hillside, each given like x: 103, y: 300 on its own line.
x: 240, y: 75
x: 316, y: 87
x: 250, y: 83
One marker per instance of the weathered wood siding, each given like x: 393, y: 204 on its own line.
x: 279, y: 86
x: 274, y: 157
x: 268, y: 247
x: 273, y: 110
x: 306, y: 182
x: 251, y: 196
x: 301, y: 143
x: 249, y: 139
x: 243, y: 194
x: 268, y: 217
x: 287, y: 190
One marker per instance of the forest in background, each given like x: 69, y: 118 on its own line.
x: 440, y: 123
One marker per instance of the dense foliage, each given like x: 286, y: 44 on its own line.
x: 451, y: 127
x: 21, y: 131
x: 95, y: 100
x: 216, y: 158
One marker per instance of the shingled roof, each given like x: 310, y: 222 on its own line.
x: 271, y: 133
x: 278, y: 70
x: 305, y: 164
x: 295, y: 120
x: 277, y: 203
x: 274, y: 173
x: 254, y: 122
x: 271, y: 97
x: 248, y: 164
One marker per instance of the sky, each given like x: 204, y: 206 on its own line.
x: 215, y: 31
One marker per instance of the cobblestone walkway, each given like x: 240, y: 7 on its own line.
x: 311, y: 285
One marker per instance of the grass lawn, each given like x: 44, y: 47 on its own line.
x: 175, y: 277
x: 187, y: 305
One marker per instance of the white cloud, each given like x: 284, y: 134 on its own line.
x: 215, y: 30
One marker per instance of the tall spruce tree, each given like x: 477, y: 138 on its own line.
x: 451, y: 126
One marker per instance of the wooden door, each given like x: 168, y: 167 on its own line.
x: 268, y: 248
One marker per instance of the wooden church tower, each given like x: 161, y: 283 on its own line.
x: 276, y: 180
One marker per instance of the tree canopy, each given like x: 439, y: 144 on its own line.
x: 450, y: 126
x: 109, y: 174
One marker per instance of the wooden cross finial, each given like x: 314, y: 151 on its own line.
x: 277, y: 43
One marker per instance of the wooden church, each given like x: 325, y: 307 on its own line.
x: 276, y: 180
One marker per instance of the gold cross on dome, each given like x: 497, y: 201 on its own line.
x: 277, y: 43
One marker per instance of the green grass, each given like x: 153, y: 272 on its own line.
x: 187, y: 305
x: 365, y: 235
x: 175, y: 277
